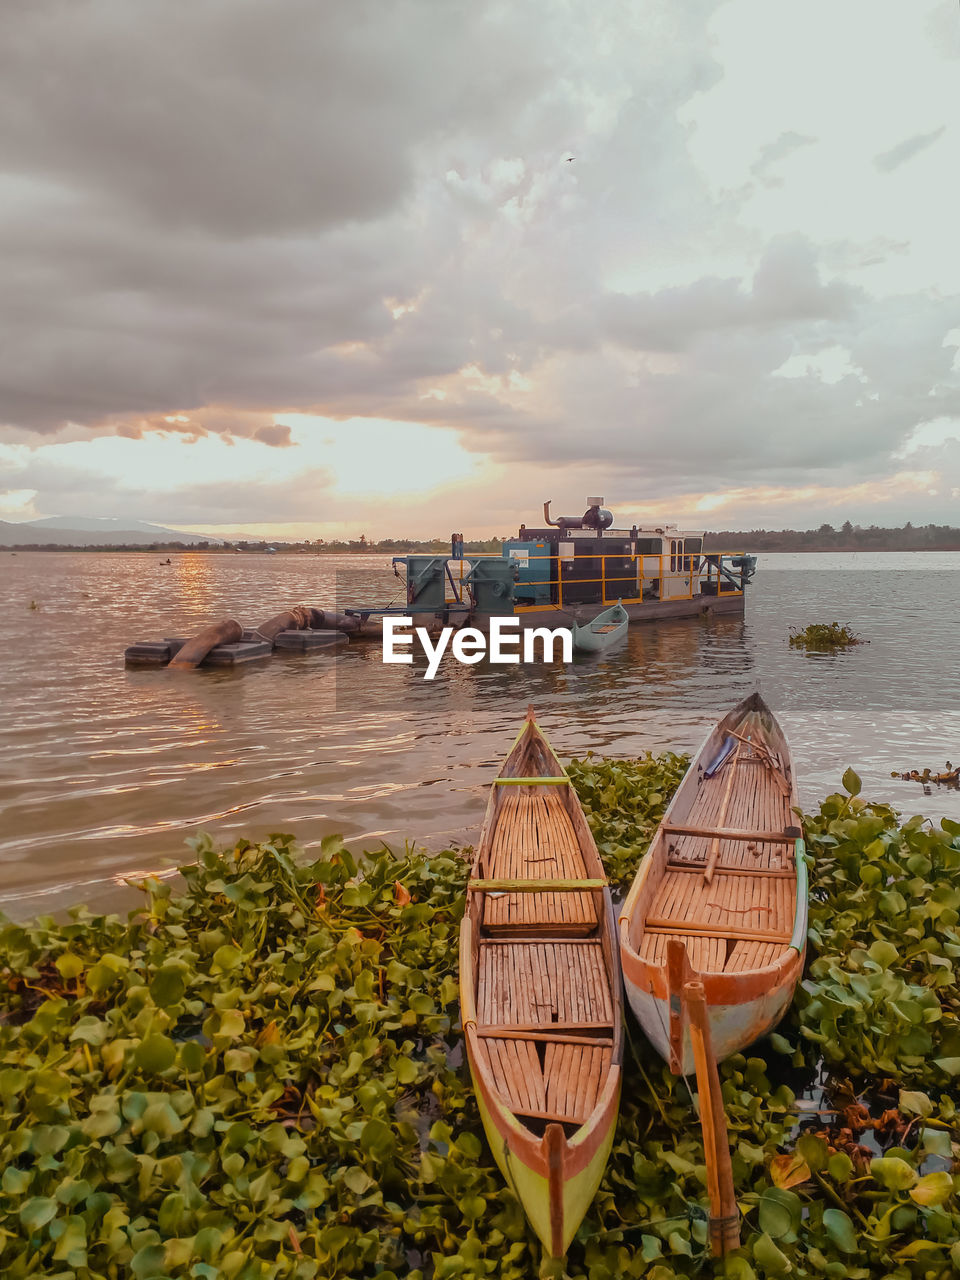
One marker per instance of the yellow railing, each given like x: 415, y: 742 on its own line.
x: 684, y: 562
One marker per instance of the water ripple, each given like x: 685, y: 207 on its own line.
x: 104, y: 771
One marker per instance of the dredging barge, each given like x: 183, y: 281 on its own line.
x: 566, y: 570
x: 554, y: 575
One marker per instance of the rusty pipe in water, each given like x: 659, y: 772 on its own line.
x: 229, y: 631
x: 293, y: 620
x: 327, y: 620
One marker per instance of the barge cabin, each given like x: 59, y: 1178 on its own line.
x: 569, y: 568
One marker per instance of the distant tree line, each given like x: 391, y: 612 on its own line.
x: 317, y: 546
x: 849, y: 537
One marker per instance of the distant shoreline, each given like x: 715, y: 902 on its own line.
x: 180, y: 548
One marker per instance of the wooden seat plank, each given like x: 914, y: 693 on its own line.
x: 675, y: 928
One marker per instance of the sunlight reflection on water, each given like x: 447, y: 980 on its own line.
x: 105, y: 771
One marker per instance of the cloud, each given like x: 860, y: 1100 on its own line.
x: 218, y: 215
x: 774, y: 152
x: 886, y: 161
x: 786, y: 290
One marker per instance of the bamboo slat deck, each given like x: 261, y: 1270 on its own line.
x: 541, y: 992
x: 754, y: 883
x: 713, y: 930
x: 722, y: 874
x: 534, y: 839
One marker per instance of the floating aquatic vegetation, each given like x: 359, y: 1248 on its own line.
x: 624, y: 801
x: 259, y: 1076
x: 949, y: 776
x: 825, y: 637
x: 882, y: 994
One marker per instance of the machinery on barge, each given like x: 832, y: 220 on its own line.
x: 563, y: 572
x: 568, y: 568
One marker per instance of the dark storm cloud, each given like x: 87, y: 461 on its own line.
x: 906, y: 150
x: 240, y: 118
x: 198, y: 199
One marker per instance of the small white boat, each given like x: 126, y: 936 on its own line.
x: 721, y: 895
x: 602, y: 630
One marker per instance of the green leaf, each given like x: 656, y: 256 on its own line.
x: 840, y: 1230
x: 148, y: 1262
x: 937, y: 1142
x: 192, y: 1056
x: 932, y: 1189
x: 773, y: 1261
x: 167, y: 987
x: 377, y: 1138
x: 224, y: 959
x: 207, y: 1243
x: 156, y: 1053
x: 91, y: 1030
x: 914, y: 1103
x: 813, y: 1150
x: 851, y: 782
x: 779, y: 1213
x: 232, y: 1025
x: 470, y: 1145
x: 893, y: 1173
x: 883, y: 952
x: 70, y: 966
x: 37, y: 1212
x: 15, y: 1181
x: 407, y: 1071
x: 357, y: 1180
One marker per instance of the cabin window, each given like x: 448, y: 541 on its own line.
x: 694, y: 545
x: 675, y: 546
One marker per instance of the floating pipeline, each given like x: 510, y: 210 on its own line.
x: 302, y: 629
x: 194, y: 651
x: 259, y: 1075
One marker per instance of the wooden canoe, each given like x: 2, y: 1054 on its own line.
x: 602, y: 630
x: 721, y: 896
x: 540, y: 991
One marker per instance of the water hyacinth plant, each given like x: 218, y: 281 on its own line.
x: 825, y: 637
x: 259, y: 1074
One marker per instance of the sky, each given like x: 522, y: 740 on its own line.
x: 398, y: 267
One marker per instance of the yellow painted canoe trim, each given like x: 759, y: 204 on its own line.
x: 532, y: 1189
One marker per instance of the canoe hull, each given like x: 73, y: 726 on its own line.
x: 591, y: 642
x: 587, y: 638
x: 742, y: 902
x: 541, y: 993
x: 555, y: 1206
x: 732, y: 1026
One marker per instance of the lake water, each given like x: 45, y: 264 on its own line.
x: 104, y: 772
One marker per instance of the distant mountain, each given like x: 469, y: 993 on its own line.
x: 90, y: 531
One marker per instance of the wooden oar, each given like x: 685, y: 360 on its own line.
x: 715, y: 846
x: 724, y: 1226
x: 763, y: 751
